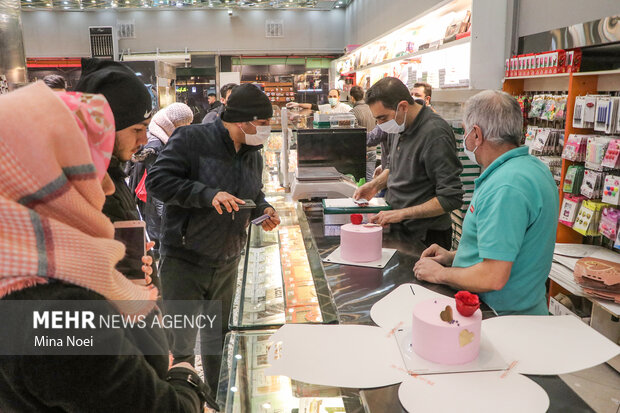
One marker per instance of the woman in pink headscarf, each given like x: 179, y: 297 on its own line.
x: 56, y: 244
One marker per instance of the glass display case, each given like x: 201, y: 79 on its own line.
x: 281, y: 278
x: 244, y: 386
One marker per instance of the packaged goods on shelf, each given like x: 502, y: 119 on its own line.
x: 610, y: 219
x: 606, y: 114
x: 611, y: 190
x: 546, y: 63
x: 570, y: 207
x: 547, y: 107
x: 575, y: 148
x: 612, y: 155
x: 592, y: 184
x: 588, y: 218
x: 545, y: 141
x: 573, y: 179
x: 596, y: 150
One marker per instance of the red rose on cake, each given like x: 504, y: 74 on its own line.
x: 356, y: 219
x: 466, y: 303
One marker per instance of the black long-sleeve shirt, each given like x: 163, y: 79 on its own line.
x: 423, y: 165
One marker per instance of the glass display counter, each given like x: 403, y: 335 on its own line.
x: 244, y: 386
x: 281, y: 279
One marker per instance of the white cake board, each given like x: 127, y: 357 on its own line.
x: 488, y: 359
x: 386, y: 255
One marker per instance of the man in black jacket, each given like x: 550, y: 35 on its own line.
x: 132, y: 107
x: 203, y: 176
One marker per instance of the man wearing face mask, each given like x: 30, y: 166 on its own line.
x: 203, y: 175
x: 508, y: 238
x: 422, y: 177
x: 334, y: 105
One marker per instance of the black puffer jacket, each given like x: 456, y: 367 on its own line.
x: 92, y: 384
x: 198, y: 162
x: 121, y: 205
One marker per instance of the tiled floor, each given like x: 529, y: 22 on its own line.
x: 598, y: 386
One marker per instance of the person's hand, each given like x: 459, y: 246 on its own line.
x: 426, y: 269
x: 366, y: 191
x: 291, y: 105
x: 273, y: 221
x: 384, y: 218
x: 438, y: 254
x: 184, y: 365
x: 147, y: 267
x: 226, y: 200
x: 377, y: 172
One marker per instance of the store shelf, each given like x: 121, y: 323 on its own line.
x: 537, y: 76
x: 414, y: 54
x: 598, y: 73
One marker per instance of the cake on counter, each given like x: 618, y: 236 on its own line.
x: 361, y: 242
x: 447, y: 330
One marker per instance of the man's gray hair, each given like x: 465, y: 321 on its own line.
x: 497, y: 114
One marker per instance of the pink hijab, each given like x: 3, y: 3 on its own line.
x: 54, y: 150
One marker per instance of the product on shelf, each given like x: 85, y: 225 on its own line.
x: 573, y: 179
x: 592, y: 184
x: 442, y: 334
x: 547, y: 63
x: 611, y: 190
x: 588, y: 218
x: 612, y: 156
x: 585, y: 111
x: 606, y: 114
x: 610, y: 219
x: 595, y: 151
x: 361, y: 242
x: 570, y: 206
x: 575, y: 148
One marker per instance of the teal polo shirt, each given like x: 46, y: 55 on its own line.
x: 513, y: 217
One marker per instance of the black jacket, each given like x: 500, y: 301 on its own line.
x: 153, y: 209
x: 89, y: 384
x: 198, y: 162
x: 121, y: 205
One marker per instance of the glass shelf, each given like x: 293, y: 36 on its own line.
x: 244, y: 386
x: 281, y: 279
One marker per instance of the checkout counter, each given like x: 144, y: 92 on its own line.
x: 283, y: 280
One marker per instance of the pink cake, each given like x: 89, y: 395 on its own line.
x: 361, y: 243
x: 445, y: 338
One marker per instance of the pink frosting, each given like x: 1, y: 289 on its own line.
x: 361, y: 243
x: 442, y: 342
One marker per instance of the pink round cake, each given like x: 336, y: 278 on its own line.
x: 442, y: 335
x: 361, y: 243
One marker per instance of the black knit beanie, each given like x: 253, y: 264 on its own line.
x: 246, y: 103
x: 129, y: 99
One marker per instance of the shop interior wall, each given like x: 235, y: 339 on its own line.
x: 368, y: 19
x: 65, y: 34
x: 537, y: 16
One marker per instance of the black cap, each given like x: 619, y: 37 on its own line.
x: 128, y: 97
x: 246, y: 103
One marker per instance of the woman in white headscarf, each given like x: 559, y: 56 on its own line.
x: 160, y: 130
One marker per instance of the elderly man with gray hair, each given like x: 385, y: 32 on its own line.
x: 508, y: 237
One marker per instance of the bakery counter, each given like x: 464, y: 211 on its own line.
x: 344, y: 294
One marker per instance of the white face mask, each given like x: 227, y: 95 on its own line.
x: 470, y: 154
x: 258, y: 138
x: 333, y: 102
x: 392, y: 126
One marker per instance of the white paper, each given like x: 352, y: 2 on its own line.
x: 349, y: 203
x: 548, y: 344
x: 336, y: 355
x: 488, y: 358
x: 395, y: 310
x: 473, y: 392
x: 386, y: 256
